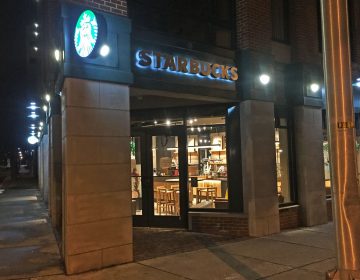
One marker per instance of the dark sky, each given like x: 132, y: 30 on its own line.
x: 15, y: 15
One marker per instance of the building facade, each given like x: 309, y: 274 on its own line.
x: 208, y: 116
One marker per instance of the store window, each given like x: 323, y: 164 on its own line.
x: 327, y: 167
x: 136, y: 189
x: 207, y: 163
x: 326, y: 152
x: 282, y: 162
x: 166, y: 177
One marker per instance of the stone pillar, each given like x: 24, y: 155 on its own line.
x: 97, y: 221
x: 40, y: 171
x: 259, y: 167
x: 46, y: 165
x: 55, y: 171
x: 310, y: 165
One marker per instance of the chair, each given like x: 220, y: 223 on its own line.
x: 172, y: 201
x: 174, y: 187
x: 161, y: 200
x: 207, y: 192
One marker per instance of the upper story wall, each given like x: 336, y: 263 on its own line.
x: 206, y: 22
x: 253, y: 25
x: 305, y: 31
x: 118, y: 7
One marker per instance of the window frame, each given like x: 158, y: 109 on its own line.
x: 284, y: 113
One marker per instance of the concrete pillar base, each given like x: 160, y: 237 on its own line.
x: 259, y: 167
x: 97, y: 220
x: 310, y: 165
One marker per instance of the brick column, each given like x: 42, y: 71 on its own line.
x: 310, y: 165
x: 304, y: 35
x: 97, y: 221
x: 354, y: 10
x: 253, y: 25
x: 259, y: 167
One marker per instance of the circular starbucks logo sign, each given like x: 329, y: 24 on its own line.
x: 86, y: 33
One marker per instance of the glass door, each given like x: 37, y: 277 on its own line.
x: 166, y: 179
x: 158, y: 178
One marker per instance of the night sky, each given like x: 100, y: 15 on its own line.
x: 15, y: 15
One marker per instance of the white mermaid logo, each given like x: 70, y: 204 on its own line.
x: 86, y: 32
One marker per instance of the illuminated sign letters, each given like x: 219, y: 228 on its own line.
x: 86, y: 33
x: 182, y: 65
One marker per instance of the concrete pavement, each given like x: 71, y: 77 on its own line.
x: 27, y: 244
x: 305, y: 253
x: 28, y: 250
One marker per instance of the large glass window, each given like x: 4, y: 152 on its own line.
x: 136, y: 188
x: 165, y: 157
x: 207, y: 163
x: 326, y: 152
x: 327, y: 167
x: 282, y: 162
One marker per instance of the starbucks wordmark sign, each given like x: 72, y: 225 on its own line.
x: 86, y: 33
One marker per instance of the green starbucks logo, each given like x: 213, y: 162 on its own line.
x: 86, y: 33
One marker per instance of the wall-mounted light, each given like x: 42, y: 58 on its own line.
x: 357, y: 83
x: 36, y: 48
x: 45, y: 108
x: 47, y: 97
x: 32, y: 140
x: 36, y: 25
x: 33, y: 106
x: 264, y: 79
x: 57, y: 55
x: 314, y: 87
x: 36, y: 33
x: 104, y: 50
x: 33, y: 115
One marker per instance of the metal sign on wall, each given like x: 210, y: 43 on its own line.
x: 96, y: 45
x: 171, y: 64
x: 185, y: 65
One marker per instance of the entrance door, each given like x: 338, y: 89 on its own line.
x: 158, y: 177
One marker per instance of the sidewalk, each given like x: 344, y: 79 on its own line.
x: 27, y: 243
x: 28, y: 250
x: 305, y: 253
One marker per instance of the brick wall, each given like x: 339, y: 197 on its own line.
x: 354, y: 10
x: 290, y: 217
x: 118, y: 7
x: 235, y: 225
x: 304, y: 35
x: 253, y: 25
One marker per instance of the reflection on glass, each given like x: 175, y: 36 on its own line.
x: 282, y: 165
x: 166, y: 175
x: 207, y: 163
x: 327, y: 168
x: 136, y: 189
